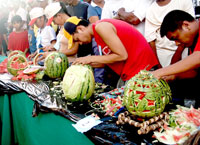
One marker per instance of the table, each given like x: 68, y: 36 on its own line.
x: 19, y: 127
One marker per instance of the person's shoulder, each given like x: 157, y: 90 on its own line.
x: 84, y: 3
x: 47, y: 28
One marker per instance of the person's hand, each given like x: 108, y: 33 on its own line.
x: 156, y: 74
x: 83, y: 60
x: 121, y: 11
x: 169, y: 78
x: 49, y: 48
x: 31, y: 56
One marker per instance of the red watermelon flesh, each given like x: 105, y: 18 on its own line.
x: 3, y: 66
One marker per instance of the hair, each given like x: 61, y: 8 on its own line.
x: 63, y: 9
x: 70, y: 27
x: 173, y: 21
x: 16, y: 18
x: 83, y: 22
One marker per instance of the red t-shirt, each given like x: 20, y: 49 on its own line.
x: 197, y: 47
x: 140, y: 54
x: 18, y: 41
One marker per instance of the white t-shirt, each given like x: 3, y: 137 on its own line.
x: 59, y: 37
x: 138, y: 7
x: 45, y: 36
x: 154, y: 17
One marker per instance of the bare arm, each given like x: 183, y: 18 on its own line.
x: 178, y: 54
x: 118, y: 51
x: 93, y: 19
x: 128, y: 17
x: 64, y: 47
x: 189, y: 63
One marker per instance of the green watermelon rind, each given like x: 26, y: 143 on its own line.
x: 78, y: 86
x: 54, y: 69
x: 161, y: 94
x: 15, y: 52
x: 10, y: 60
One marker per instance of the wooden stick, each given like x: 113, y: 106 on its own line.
x: 154, y: 119
x: 152, y: 127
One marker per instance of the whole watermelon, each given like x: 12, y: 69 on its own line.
x: 16, y: 63
x: 78, y: 83
x: 56, y: 64
x: 145, y: 96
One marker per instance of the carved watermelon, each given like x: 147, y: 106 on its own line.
x: 78, y: 83
x: 16, y: 63
x: 15, y: 52
x: 56, y: 64
x: 146, y: 96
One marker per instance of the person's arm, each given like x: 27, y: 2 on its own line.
x: 64, y: 47
x: 189, y: 63
x: 128, y: 17
x: 26, y: 50
x: 93, y: 19
x: 118, y: 51
x: 178, y: 54
x: 153, y: 46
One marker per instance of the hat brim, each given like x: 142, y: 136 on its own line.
x: 32, y: 21
x: 70, y: 39
x: 49, y: 21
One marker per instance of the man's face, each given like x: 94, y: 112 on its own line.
x: 181, y: 36
x: 82, y: 36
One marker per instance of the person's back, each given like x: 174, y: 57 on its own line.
x: 18, y: 40
x: 140, y: 55
x: 163, y: 48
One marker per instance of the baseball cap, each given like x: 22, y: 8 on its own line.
x: 35, y: 13
x: 51, y: 10
x: 70, y: 28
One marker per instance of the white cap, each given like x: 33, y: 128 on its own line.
x: 35, y: 13
x: 51, y: 10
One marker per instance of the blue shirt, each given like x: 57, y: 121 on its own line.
x: 94, y: 11
x: 32, y: 41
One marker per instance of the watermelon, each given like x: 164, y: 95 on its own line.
x: 16, y: 63
x: 55, y: 65
x: 78, y: 83
x: 15, y: 52
x: 145, y: 96
x: 31, y: 70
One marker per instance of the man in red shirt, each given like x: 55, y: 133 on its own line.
x: 123, y: 48
x: 182, y: 28
x: 18, y: 39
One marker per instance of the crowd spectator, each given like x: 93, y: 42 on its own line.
x: 18, y: 39
x: 46, y: 35
x: 17, y: 9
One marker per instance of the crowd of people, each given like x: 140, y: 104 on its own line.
x: 118, y: 38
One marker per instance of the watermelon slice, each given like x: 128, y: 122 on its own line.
x: 31, y: 70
